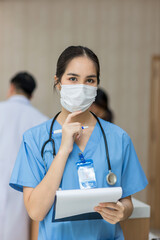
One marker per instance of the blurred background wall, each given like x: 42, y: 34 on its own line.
x: 125, y: 34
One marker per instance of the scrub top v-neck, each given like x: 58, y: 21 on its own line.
x: 29, y: 171
x: 91, y: 141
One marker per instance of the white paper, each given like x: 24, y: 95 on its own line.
x: 75, y: 202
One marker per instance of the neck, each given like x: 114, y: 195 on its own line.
x: 17, y: 94
x: 85, y: 118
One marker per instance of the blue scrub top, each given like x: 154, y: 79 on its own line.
x: 29, y: 171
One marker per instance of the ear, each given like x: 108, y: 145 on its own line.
x: 30, y: 97
x: 56, y: 80
x: 11, y: 90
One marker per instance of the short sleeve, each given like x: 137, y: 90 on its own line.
x: 28, y: 170
x: 133, y: 177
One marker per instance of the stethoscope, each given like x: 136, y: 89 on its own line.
x: 110, y: 178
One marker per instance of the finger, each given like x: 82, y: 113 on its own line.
x: 106, y: 211
x: 78, y: 137
x: 107, y: 218
x: 71, y: 115
x: 119, y: 204
x: 110, y: 205
x: 74, y: 124
x: 71, y: 127
x: 78, y: 132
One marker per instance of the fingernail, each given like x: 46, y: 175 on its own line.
x: 100, y: 204
x: 97, y: 208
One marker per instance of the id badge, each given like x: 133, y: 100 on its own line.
x: 86, y: 173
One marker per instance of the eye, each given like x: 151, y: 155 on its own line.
x: 90, y: 80
x: 73, y: 79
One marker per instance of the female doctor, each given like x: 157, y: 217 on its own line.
x: 38, y: 174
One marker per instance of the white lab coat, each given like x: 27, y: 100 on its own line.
x: 16, y: 116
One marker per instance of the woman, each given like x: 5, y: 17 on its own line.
x: 39, y: 175
x: 101, y: 106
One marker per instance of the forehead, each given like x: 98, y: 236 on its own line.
x: 82, y: 65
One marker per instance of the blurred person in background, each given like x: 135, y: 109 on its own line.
x: 16, y: 116
x: 101, y: 106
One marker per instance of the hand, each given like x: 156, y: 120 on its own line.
x: 70, y: 132
x: 111, y: 212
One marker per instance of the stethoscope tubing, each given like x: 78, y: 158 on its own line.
x: 110, y: 178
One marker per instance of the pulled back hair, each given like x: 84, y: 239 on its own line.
x: 72, y: 52
x: 24, y: 82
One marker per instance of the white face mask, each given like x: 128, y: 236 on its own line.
x: 77, y: 97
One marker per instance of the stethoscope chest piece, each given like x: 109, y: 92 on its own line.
x: 111, y: 178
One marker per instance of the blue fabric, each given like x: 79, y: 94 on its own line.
x: 29, y: 170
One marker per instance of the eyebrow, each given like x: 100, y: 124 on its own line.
x: 76, y: 75
x: 73, y: 74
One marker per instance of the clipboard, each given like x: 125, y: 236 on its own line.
x: 77, y: 205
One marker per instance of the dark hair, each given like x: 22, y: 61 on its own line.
x: 25, y: 82
x: 103, y: 102
x: 72, y: 52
